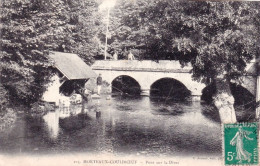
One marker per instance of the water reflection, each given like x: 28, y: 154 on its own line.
x: 210, y: 112
x: 122, y: 125
x: 52, y: 124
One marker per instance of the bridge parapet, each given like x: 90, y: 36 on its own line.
x: 152, y: 66
x: 145, y: 65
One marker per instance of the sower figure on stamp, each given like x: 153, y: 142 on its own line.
x: 242, y: 154
x: 99, y: 83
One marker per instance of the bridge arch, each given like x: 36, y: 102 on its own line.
x: 146, y: 78
x: 244, y: 100
x: 170, y: 88
x: 242, y: 94
x: 125, y: 84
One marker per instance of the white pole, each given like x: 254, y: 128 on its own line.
x: 107, y: 33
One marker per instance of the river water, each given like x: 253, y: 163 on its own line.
x: 119, y: 125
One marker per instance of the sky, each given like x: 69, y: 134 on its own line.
x: 107, y: 4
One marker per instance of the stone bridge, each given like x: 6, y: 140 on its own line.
x: 147, y: 72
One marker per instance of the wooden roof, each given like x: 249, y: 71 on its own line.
x: 72, y: 66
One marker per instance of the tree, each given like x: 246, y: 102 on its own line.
x: 77, y: 31
x: 223, y: 37
x: 217, y: 38
x: 29, y: 30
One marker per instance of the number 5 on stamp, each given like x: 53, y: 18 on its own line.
x: 241, y: 144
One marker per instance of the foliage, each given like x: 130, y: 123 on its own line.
x: 216, y: 37
x: 125, y: 31
x: 7, y: 120
x: 222, y: 36
x: 76, y: 33
x: 29, y: 30
x: 3, y: 99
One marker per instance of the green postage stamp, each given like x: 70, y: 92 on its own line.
x: 241, y: 144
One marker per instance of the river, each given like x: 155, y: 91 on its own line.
x: 119, y: 125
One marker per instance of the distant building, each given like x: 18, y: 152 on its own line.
x: 71, y: 74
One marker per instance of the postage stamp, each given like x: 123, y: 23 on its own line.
x: 241, y: 144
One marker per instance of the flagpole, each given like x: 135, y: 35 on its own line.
x: 107, y: 33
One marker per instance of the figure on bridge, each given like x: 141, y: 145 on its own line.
x: 99, y: 83
x: 130, y: 56
x: 115, y: 56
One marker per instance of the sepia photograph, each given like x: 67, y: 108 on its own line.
x: 129, y: 82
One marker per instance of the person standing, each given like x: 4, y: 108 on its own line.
x: 115, y: 57
x: 130, y: 56
x: 99, y: 83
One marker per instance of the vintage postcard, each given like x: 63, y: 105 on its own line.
x: 129, y: 82
x: 241, y: 144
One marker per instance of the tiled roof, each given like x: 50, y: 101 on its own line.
x: 72, y: 66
